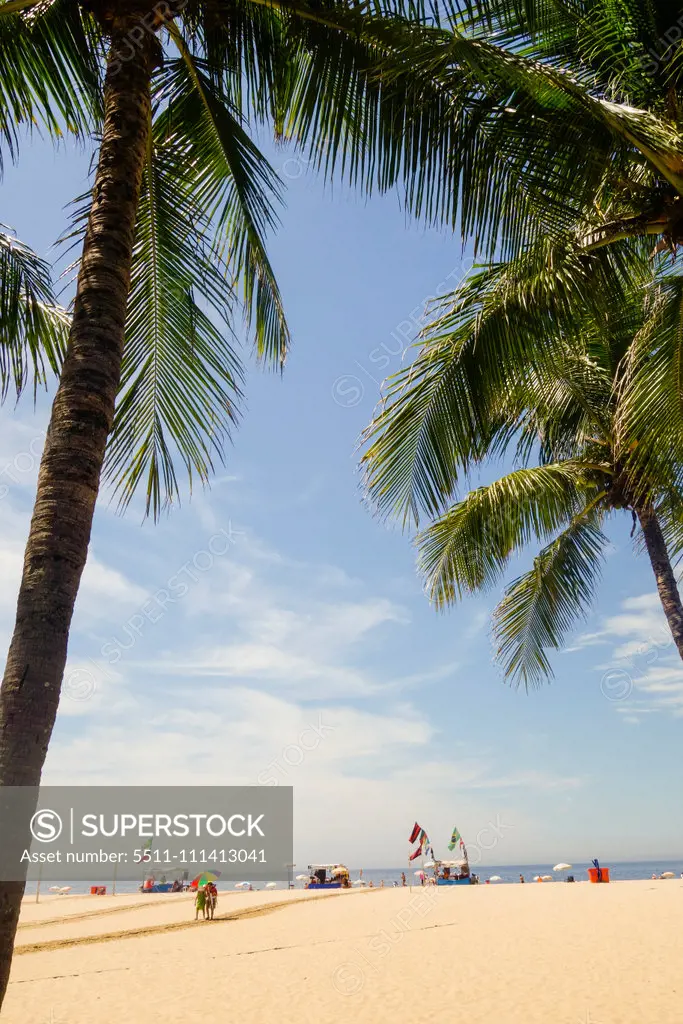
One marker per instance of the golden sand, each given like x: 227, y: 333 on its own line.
x: 553, y: 953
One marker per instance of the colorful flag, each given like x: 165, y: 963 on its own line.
x: 416, y: 853
x: 455, y: 838
x: 415, y: 833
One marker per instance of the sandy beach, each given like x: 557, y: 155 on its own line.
x: 552, y: 953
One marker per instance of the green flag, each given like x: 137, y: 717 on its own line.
x: 455, y: 838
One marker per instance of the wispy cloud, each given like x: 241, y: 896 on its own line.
x: 644, y: 673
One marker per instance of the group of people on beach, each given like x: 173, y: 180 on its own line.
x: 206, y: 900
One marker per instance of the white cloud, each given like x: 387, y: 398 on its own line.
x: 289, y: 629
x: 104, y: 589
x: 347, y: 766
x: 644, y: 673
x: 103, y: 585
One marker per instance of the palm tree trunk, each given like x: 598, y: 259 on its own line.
x: 664, y: 574
x: 70, y: 468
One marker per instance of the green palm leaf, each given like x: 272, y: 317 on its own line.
x: 235, y: 186
x: 49, y: 71
x: 543, y: 604
x: 33, y: 328
x: 468, y: 386
x: 650, y: 412
x: 468, y: 547
x: 181, y: 376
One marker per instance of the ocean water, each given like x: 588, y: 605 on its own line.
x: 618, y: 872
x: 509, y: 873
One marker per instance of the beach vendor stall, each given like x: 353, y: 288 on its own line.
x: 328, y: 876
x: 453, y: 872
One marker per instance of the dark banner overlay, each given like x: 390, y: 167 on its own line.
x: 94, y: 833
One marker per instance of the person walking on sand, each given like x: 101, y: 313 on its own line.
x: 211, y: 899
x: 521, y: 878
x: 403, y: 878
x: 200, y: 903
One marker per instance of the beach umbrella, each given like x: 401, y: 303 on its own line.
x: 419, y: 874
x: 546, y: 878
x: 537, y: 878
x: 271, y: 885
x: 562, y: 867
x: 430, y: 864
x: 495, y: 878
x: 204, y: 878
x: 302, y: 878
x: 358, y: 881
x: 53, y: 888
x: 668, y: 874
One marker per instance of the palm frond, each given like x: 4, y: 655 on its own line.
x: 181, y: 375
x: 50, y: 74
x: 669, y: 513
x: 606, y: 42
x: 541, y: 606
x: 649, y: 416
x: 468, y: 547
x: 33, y: 327
x: 235, y: 186
x: 469, y: 384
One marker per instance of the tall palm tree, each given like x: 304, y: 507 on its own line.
x: 570, y: 169
x: 172, y: 243
x: 569, y: 369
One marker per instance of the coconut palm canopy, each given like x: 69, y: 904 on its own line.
x: 561, y: 357
x: 578, y: 402
x: 498, y: 117
x: 208, y: 196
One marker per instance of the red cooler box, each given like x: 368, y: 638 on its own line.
x: 593, y: 874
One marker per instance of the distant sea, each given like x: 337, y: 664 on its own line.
x: 619, y: 872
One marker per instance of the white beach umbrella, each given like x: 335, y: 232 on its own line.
x: 430, y: 864
x: 53, y: 888
x: 358, y: 881
x: 547, y: 878
x: 668, y: 874
x: 562, y: 867
x: 419, y: 874
x: 271, y: 885
x: 495, y: 878
x: 302, y: 878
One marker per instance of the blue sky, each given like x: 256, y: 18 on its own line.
x: 299, y: 620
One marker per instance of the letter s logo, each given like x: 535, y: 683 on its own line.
x: 46, y: 826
